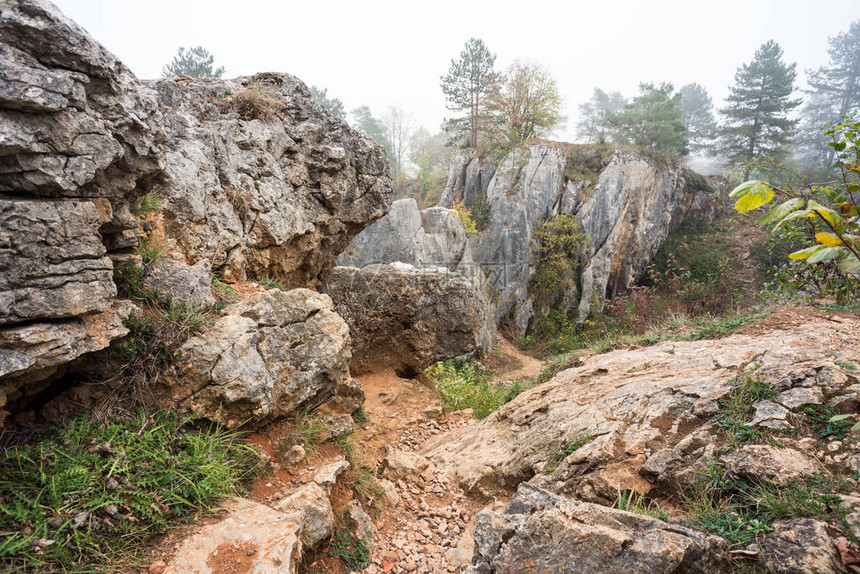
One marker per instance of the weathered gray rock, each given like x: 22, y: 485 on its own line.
x: 173, y: 279
x: 336, y: 425
x: 431, y: 238
x: 468, y: 175
x: 54, y: 264
x: 543, y: 532
x: 81, y: 140
x: 401, y: 465
x: 768, y: 464
x: 317, y: 517
x: 327, y: 476
x: 268, y: 355
x: 261, y: 180
x: 72, y: 122
x: 268, y: 537
x: 797, y: 397
x: 633, y: 403
x: 357, y: 520
x: 800, y: 546
x: 32, y: 353
x: 625, y: 202
x: 770, y: 415
x: 406, y: 318
x: 295, y: 455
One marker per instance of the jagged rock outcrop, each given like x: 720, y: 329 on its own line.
x: 543, y: 532
x: 430, y: 238
x: 258, y: 180
x: 468, y: 175
x: 407, y: 318
x: 625, y: 201
x: 75, y: 149
x: 634, y: 418
x: 261, y: 180
x: 268, y: 355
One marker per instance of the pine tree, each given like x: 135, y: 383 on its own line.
x: 835, y: 92
x: 365, y: 122
x: 697, y: 114
x: 333, y: 105
x: 466, y: 87
x: 196, y: 62
x: 756, y: 117
x: 653, y: 120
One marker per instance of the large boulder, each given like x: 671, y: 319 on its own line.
x: 262, y: 181
x: 407, y: 318
x: 258, y: 181
x: 800, y: 546
x: 543, y: 532
x: 630, y: 418
x: 268, y: 355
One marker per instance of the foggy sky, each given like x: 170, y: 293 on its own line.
x: 381, y: 53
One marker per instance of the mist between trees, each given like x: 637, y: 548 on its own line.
x: 766, y: 118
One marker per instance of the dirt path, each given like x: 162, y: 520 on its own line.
x: 521, y: 366
x: 423, y: 523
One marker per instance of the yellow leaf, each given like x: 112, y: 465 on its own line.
x: 828, y: 239
x: 806, y: 253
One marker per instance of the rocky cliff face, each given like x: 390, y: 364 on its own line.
x: 258, y: 181
x: 625, y: 201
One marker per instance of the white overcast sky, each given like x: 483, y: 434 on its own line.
x: 383, y: 53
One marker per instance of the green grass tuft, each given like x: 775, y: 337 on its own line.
x: 151, y: 251
x: 349, y: 548
x: 635, y: 502
x: 736, y: 409
x: 149, y: 203
x: 466, y: 385
x: 87, y: 497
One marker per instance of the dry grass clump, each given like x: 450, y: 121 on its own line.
x: 256, y: 102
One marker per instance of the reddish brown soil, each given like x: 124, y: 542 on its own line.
x: 236, y: 558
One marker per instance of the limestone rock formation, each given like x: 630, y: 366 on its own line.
x: 468, y: 175
x: 261, y: 180
x: 311, y: 500
x: 801, y: 546
x: 431, y: 238
x: 261, y: 539
x: 625, y: 201
x: 268, y: 355
x: 175, y: 280
x: 258, y: 181
x: 633, y: 418
x: 407, y: 318
x: 543, y: 532
x: 75, y: 148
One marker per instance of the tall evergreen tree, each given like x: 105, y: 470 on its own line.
x: 466, y: 86
x: 594, y: 125
x: 756, y: 114
x: 333, y: 105
x: 653, y: 120
x: 697, y: 114
x: 834, y: 92
x: 365, y: 122
x: 196, y: 62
